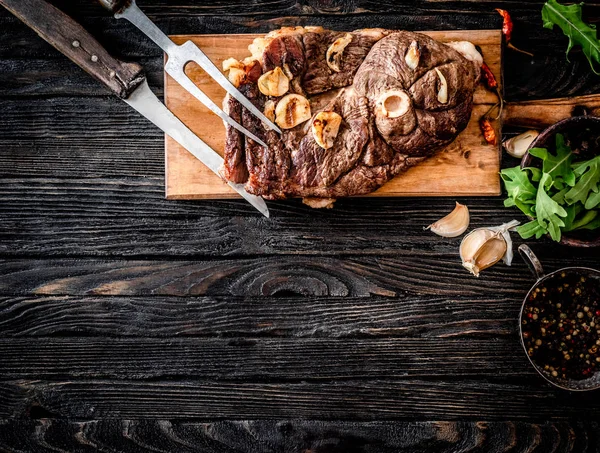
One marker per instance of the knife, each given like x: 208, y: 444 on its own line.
x: 126, y: 80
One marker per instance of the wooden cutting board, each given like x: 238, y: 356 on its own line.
x: 468, y: 166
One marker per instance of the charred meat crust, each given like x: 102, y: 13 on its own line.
x: 372, y: 145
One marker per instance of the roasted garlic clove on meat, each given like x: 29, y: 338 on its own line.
x: 325, y: 127
x: 274, y: 83
x: 336, y: 51
x: 442, y: 96
x: 231, y: 63
x: 413, y: 55
x: 292, y: 110
x: 394, y: 103
x: 269, y: 110
x: 452, y: 225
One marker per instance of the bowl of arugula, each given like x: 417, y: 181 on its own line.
x: 557, y: 184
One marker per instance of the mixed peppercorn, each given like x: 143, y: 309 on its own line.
x: 561, y: 325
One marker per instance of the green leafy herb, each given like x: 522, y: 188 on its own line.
x: 569, y: 19
x: 560, y: 197
x: 548, y: 211
x: 589, y: 178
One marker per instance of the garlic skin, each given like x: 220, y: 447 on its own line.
x: 518, y: 145
x: 442, y: 96
x: 484, y: 247
x: 452, y: 225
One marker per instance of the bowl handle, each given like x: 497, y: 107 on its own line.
x: 531, y: 260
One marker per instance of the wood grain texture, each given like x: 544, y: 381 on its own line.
x: 231, y: 317
x: 468, y: 166
x: 133, y: 323
x: 406, y: 273
x: 372, y: 399
x: 272, y: 360
x: 292, y: 436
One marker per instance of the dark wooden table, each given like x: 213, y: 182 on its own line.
x: 131, y: 323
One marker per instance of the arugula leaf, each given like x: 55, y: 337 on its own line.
x: 593, y: 200
x: 530, y: 229
x: 520, y: 190
x: 585, y: 220
x: 592, y: 225
x: 588, y: 182
x: 559, y: 165
x: 548, y: 211
x: 569, y: 19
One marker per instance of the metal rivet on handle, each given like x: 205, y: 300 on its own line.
x: 94, y: 58
x: 75, y: 43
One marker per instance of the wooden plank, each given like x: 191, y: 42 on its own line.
x: 435, y: 274
x: 287, y: 317
x: 261, y: 359
x: 385, y: 399
x: 468, y: 166
x: 128, y: 216
x: 292, y: 436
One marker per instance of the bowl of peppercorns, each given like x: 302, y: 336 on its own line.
x: 560, y: 325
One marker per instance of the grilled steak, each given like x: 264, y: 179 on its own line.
x: 355, y: 108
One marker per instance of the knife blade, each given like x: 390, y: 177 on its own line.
x: 126, y: 80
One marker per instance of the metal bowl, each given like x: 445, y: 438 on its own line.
x: 591, y: 383
x: 574, y: 125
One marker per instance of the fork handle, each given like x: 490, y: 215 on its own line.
x: 72, y: 40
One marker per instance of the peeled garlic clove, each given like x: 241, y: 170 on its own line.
x: 413, y: 54
x: 292, y: 110
x: 274, y: 83
x: 452, y: 225
x: 325, y: 127
x: 269, y: 110
x: 443, y: 92
x: 394, y: 103
x: 517, y: 146
x: 335, y: 52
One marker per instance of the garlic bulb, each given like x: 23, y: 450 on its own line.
x: 484, y: 247
x: 517, y: 146
x: 454, y: 224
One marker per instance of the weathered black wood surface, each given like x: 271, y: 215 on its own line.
x: 132, y: 323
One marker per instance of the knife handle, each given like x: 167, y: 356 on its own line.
x: 71, y: 39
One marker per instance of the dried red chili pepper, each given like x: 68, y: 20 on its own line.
x: 488, y: 76
x: 507, y: 26
x: 507, y: 29
x: 488, y: 131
